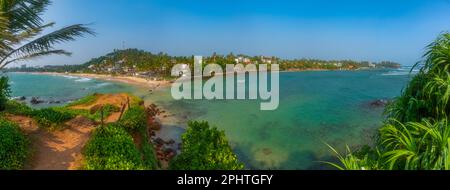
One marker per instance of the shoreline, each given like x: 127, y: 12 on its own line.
x: 131, y: 80
x: 142, y: 82
x: 168, y: 120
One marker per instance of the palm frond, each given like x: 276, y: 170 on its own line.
x: 33, y: 32
x: 47, y: 41
x: 23, y: 14
x: 37, y: 55
x: 20, y: 26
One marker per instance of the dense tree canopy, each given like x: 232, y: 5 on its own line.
x: 133, y: 61
x: 205, y: 148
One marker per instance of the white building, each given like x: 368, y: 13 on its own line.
x: 266, y: 60
x: 242, y: 59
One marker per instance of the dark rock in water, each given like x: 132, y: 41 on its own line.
x: 169, y: 153
x: 155, y: 124
x: 379, y: 103
x: 55, y: 102
x: 36, y: 100
x: 152, y: 110
x: 152, y: 133
x: 159, y: 141
x: 171, y: 141
x: 168, y: 150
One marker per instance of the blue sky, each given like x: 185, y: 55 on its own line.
x: 396, y: 30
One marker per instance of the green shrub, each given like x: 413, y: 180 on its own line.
x: 205, y: 148
x: 112, y: 148
x: 14, y: 146
x: 148, y: 154
x: 416, y: 135
x: 365, y: 158
x: 17, y: 108
x: 110, y: 108
x: 5, y: 92
x: 84, y: 101
x: 134, y: 119
x: 72, y: 111
x: 51, y: 118
x: 135, y: 101
x: 107, y: 111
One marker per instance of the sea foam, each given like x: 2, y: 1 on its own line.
x: 83, y: 80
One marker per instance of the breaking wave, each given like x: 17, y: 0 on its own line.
x: 83, y: 80
x: 401, y: 71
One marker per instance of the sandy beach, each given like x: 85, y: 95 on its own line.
x: 142, y: 82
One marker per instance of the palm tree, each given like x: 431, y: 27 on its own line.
x: 21, y: 28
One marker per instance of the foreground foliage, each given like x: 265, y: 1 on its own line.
x: 123, y: 145
x: 416, y: 135
x: 87, y: 100
x: 14, y: 146
x: 5, y: 92
x: 17, y: 108
x: 134, y: 119
x: 112, y: 148
x: 205, y: 148
x: 51, y: 118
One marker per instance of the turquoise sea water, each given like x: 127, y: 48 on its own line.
x: 315, y: 108
x: 63, y: 88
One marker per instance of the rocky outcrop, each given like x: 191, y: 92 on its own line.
x: 164, y: 149
x: 152, y: 112
x: 36, y: 100
x: 379, y: 103
x: 55, y: 102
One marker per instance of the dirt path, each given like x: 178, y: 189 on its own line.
x: 61, y: 150
x: 104, y: 99
x: 58, y: 150
x: 114, y: 117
